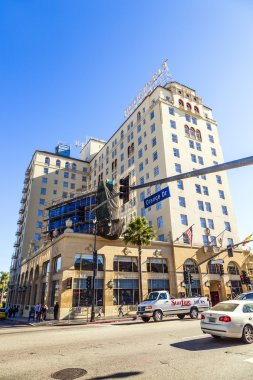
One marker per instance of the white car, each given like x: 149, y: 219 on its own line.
x: 233, y: 319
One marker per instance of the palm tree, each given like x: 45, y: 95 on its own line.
x: 139, y: 233
x: 4, y: 278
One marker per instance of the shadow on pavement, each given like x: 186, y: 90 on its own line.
x: 118, y: 375
x: 206, y: 344
x: 137, y: 322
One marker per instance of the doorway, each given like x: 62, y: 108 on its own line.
x: 215, y: 298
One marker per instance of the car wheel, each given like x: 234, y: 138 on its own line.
x: 194, y: 313
x: 215, y: 336
x: 247, y: 334
x: 145, y: 319
x: 158, y: 316
x: 181, y: 316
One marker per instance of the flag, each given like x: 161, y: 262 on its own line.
x: 189, y: 234
x: 248, y: 238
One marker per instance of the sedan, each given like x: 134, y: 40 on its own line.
x: 233, y: 319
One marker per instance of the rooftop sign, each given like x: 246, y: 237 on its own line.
x: 160, y: 78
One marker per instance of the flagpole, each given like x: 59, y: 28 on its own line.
x: 183, y: 233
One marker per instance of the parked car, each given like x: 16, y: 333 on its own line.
x: 2, y: 313
x: 245, y: 296
x: 233, y: 319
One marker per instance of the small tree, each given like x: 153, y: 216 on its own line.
x: 4, y: 278
x: 140, y: 234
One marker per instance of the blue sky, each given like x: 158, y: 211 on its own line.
x: 69, y: 68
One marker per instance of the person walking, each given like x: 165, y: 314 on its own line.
x: 44, y: 310
x: 38, y: 312
x: 31, y: 314
x: 56, y: 310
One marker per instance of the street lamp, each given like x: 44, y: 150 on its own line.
x: 95, y: 257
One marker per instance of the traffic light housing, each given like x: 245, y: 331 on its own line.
x: 190, y: 277
x: 221, y: 270
x: 124, y: 189
x: 230, y: 250
x: 88, y: 282
x: 244, y: 278
x: 186, y: 277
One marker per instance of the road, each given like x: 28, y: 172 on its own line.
x: 172, y: 349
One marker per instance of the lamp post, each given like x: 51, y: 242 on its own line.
x: 95, y: 256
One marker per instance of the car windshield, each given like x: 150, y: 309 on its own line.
x: 222, y: 306
x: 152, y: 296
x: 245, y: 296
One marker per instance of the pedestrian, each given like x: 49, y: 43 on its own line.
x: 38, y: 312
x: 31, y: 314
x: 14, y: 311
x: 56, y: 310
x: 120, y: 309
x: 100, y: 311
x: 44, y: 310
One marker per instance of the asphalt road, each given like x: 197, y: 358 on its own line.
x: 173, y: 349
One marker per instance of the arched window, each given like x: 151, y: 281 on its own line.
x: 192, y: 133
x: 187, y: 130
x: 190, y: 265
x: 74, y: 166
x: 67, y: 165
x: 22, y: 279
x: 58, y: 163
x: 196, y: 109
x: 188, y: 106
x: 31, y: 275
x: 139, y: 116
x: 233, y: 268
x: 122, y: 134
x: 47, y: 160
x: 132, y: 148
x: 181, y: 103
x: 37, y: 272
x: 198, y: 135
x: 107, y: 150
x: 129, y: 150
x: 214, y: 268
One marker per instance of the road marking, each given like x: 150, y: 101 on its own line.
x: 194, y: 336
x: 250, y: 360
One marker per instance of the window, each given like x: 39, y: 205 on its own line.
x: 209, y: 127
x: 205, y: 240
x: 188, y: 106
x: 203, y: 222
x: 43, y: 191
x: 187, y: 131
x: 152, y: 128
x: 67, y: 165
x: 193, y: 158
x: 171, y: 111
x: 213, y: 151
x: 54, y: 192
x: 72, y: 186
x: 178, y: 168
x: 73, y: 166
x: 191, y: 144
x: 65, y: 184
x: 156, y: 171
x: 159, y: 222
x: 230, y: 241
x: 196, y: 109
x: 205, y: 190
x: 208, y: 206
x: 141, y: 166
x: 210, y: 224
x: 198, y: 146
x: 201, y: 205
x: 184, y: 219
x: 47, y: 160
x: 154, y: 142
x: 42, y: 201
x: 57, y: 264
x: 58, y: 163
x: 194, y: 120
x: 201, y: 161
x: 152, y: 115
x: 139, y: 140
x: 139, y: 128
x: 198, y: 188
x: 37, y: 237
x: 45, y: 170
x: 191, y: 266
x: 198, y: 135
x: 221, y: 194
x: 125, y: 264
x: 142, y: 195
x: 146, y: 161
x: 38, y: 224
x: 218, y: 179
x: 176, y: 152
x: 143, y: 212
x: 157, y: 265
x: 181, y: 201
x: 155, y: 156
x: 203, y: 177
x: 125, y: 292
x: 142, y: 180
x: 66, y: 175
x: 187, y: 117
x: 180, y: 184
x: 121, y: 145
x: 173, y: 124
x: 174, y: 138
x: 73, y: 176
x: 192, y: 133
x: 224, y: 210
x: 85, y: 262
x: 140, y: 153
x: 181, y: 103
x: 159, y: 206
x: 227, y: 226
x: 43, y: 180
x: 211, y: 139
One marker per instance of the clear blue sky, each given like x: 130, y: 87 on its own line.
x: 69, y: 68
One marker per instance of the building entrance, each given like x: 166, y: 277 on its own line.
x: 215, y: 298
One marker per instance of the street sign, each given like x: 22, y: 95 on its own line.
x: 157, y: 197
x: 219, y: 261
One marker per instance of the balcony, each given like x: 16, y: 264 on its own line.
x: 22, y: 209
x: 18, y: 232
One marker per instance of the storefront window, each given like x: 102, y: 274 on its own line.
x: 125, y: 292
x: 157, y: 265
x: 57, y: 264
x: 46, y: 268
x: 54, y: 293
x: 85, y: 262
x: 83, y: 296
x: 195, y: 288
x: 236, y: 288
x: 43, y: 292
x: 154, y: 284
x: 125, y: 264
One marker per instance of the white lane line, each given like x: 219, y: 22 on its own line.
x: 194, y: 336
x: 250, y: 360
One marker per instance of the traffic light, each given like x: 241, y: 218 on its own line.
x: 88, y: 282
x: 244, y: 278
x: 124, y: 189
x: 221, y: 270
x: 230, y: 250
x: 186, y: 277
x: 190, y: 277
